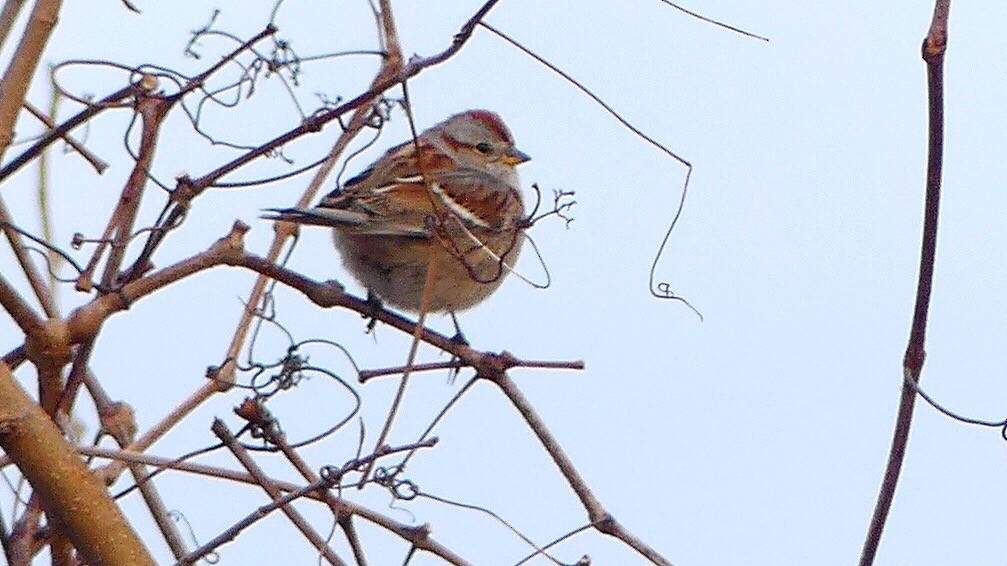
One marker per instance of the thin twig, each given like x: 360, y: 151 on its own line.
x: 600, y: 518
x: 92, y: 110
x: 353, y: 539
x: 159, y: 511
x: 152, y: 111
x: 554, y: 542
x: 440, y: 415
x: 495, y: 516
x: 227, y: 437
x: 228, y: 250
x: 934, y: 46
x: 98, y: 163
x: 232, y: 532
x: 714, y: 22
x: 1001, y: 424
x: 400, y: 392
x: 312, y: 124
x: 391, y: 74
x: 38, y: 285
x: 369, y: 374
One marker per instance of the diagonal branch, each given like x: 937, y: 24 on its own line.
x: 76, y: 499
x: 385, y: 81
x: 22, y: 67
x: 35, y: 279
x: 152, y: 109
x: 419, y: 536
x: 145, y: 84
x: 600, y: 518
x: 8, y: 15
x: 96, y: 162
x: 21, y: 312
x: 227, y: 437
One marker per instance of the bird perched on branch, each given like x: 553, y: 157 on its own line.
x: 449, y: 201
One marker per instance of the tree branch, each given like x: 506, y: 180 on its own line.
x: 934, y: 47
x: 75, y: 499
x: 600, y: 518
x: 227, y: 437
x: 19, y: 73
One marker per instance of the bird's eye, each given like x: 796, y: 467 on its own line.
x: 484, y: 148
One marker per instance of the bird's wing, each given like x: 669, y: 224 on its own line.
x: 396, y: 197
x: 477, y: 198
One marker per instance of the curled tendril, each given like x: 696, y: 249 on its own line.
x: 1001, y: 424
x: 401, y: 489
x: 179, y: 517
x: 268, y: 380
x: 51, y: 269
x: 51, y: 248
x: 663, y: 291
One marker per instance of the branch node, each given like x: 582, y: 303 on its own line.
x: 9, y: 423
x: 329, y: 293
x: 419, y: 535
x: 605, y: 523
x: 231, y: 248
x: 119, y: 421
x: 185, y: 190
x: 50, y: 347
x: 147, y: 83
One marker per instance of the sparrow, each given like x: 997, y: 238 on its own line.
x: 449, y: 199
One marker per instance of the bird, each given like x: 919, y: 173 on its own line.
x: 449, y: 199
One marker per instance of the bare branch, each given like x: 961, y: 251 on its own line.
x: 75, y: 497
x: 714, y: 22
x: 227, y: 437
x: 60, y: 131
x: 11, y: 9
x: 934, y: 47
x: 35, y: 280
x: 19, y: 73
x: 22, y: 314
x: 98, y: 163
x: 600, y: 518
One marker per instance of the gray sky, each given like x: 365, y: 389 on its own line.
x: 757, y: 436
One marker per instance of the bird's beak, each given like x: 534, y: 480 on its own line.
x: 516, y: 157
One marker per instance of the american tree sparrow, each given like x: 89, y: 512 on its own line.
x: 450, y: 198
